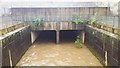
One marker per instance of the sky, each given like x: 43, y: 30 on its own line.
x: 59, y: 0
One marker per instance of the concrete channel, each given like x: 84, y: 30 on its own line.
x: 53, y: 48
x: 46, y: 51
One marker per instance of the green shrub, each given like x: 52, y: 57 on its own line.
x: 93, y: 20
x: 39, y: 21
x: 78, y: 42
x: 77, y: 19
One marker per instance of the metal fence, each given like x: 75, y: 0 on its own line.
x: 18, y: 15
x: 0, y: 22
x: 9, y: 20
x: 111, y: 21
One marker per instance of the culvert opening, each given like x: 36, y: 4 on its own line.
x: 68, y: 35
x: 47, y: 36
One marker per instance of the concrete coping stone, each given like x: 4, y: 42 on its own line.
x: 13, y: 32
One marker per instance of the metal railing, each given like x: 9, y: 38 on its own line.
x: 11, y: 20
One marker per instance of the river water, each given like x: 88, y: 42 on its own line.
x: 45, y: 52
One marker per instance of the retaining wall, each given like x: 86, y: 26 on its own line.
x: 104, y: 45
x: 14, y: 45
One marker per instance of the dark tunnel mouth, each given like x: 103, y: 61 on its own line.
x: 65, y: 36
x: 68, y: 36
x: 46, y: 36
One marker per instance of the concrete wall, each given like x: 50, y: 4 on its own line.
x: 34, y: 36
x: 105, y: 44
x: 14, y: 45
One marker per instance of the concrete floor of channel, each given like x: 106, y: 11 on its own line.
x: 64, y: 54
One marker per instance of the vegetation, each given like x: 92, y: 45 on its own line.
x: 78, y: 42
x: 77, y: 19
x: 118, y: 32
x: 39, y: 21
x: 92, y: 20
x: 6, y: 30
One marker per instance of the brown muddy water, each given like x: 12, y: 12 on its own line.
x: 45, y: 52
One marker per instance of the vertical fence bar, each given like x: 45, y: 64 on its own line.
x: 119, y: 27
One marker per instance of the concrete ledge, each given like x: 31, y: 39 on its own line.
x: 12, y: 32
x: 60, y: 26
x: 105, y: 32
